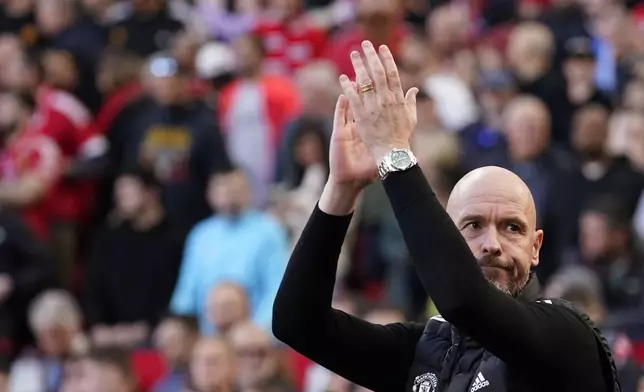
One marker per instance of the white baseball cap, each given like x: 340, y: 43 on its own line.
x: 215, y: 59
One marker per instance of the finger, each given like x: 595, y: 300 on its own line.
x: 352, y: 95
x: 391, y: 70
x: 410, y: 100
x: 348, y: 115
x: 362, y: 78
x: 377, y: 71
x: 340, y: 115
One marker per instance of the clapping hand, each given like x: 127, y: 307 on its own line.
x: 385, y: 117
x: 370, y: 120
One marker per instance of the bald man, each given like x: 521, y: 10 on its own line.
x: 495, y: 333
x: 498, y: 331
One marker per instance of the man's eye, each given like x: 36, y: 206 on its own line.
x: 514, y: 228
x: 474, y: 225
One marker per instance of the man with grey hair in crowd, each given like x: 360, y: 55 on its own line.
x: 56, y: 321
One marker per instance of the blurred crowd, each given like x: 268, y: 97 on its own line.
x: 159, y: 159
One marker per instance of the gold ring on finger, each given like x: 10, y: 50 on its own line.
x: 366, y: 86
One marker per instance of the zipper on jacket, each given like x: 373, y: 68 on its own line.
x: 451, y: 358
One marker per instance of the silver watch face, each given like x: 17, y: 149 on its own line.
x: 400, y: 160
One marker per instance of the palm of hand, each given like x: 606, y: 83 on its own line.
x: 350, y: 161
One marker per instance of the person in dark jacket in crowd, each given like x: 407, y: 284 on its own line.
x: 148, y: 30
x: 174, y: 134
x: 583, y: 288
x: 134, y: 263
x: 25, y: 270
x: 495, y: 333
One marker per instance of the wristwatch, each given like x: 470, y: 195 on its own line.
x: 399, y: 159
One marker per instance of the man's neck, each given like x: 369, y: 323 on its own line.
x: 148, y: 218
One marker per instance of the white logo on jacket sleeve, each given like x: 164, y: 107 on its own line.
x: 479, y: 382
x: 425, y: 383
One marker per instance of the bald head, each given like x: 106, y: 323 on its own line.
x: 490, y: 182
x: 495, y: 212
x: 526, y: 121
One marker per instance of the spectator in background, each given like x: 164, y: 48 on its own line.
x: 238, y: 245
x: 59, y: 70
x: 305, y: 176
x: 56, y: 321
x: 10, y: 47
x: 254, y: 110
x: 528, y: 130
x: 226, y: 20
x: 290, y: 36
x: 530, y: 52
x: 415, y: 62
x: 108, y: 369
x: 599, y: 173
x: 482, y: 142
x: 259, y: 367
x: 216, y: 64
x: 316, y: 82
x: 73, y: 375
x: 318, y: 89
x: 174, y: 338
x: 118, y: 79
x: 448, y: 33
x: 213, y: 366
x: 379, y: 21
x: 64, y: 28
x: 606, y: 246
x: 16, y: 16
x: 30, y: 166
x: 633, y: 95
x: 60, y: 116
x: 148, y: 30
x: 105, y: 12
x: 134, y: 263
x: 580, y: 286
x: 579, y: 67
x: 175, y: 135
x: 24, y: 271
x: 227, y: 306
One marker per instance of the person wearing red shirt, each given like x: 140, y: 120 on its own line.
x: 290, y: 37
x: 61, y: 116
x: 379, y: 21
x: 30, y: 166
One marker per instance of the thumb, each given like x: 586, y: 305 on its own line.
x: 410, y: 97
x: 410, y: 100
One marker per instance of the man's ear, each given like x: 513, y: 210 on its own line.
x: 536, y: 247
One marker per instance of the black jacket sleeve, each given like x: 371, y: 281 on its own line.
x: 377, y: 357
x: 534, y: 336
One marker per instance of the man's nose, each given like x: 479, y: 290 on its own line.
x: 491, y: 244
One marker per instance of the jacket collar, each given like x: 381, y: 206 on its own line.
x: 532, y: 289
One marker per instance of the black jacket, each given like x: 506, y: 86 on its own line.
x: 517, y: 344
x: 447, y: 361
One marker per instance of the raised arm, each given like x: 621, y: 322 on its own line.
x: 513, y: 330
x: 377, y: 357
x: 532, y: 335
